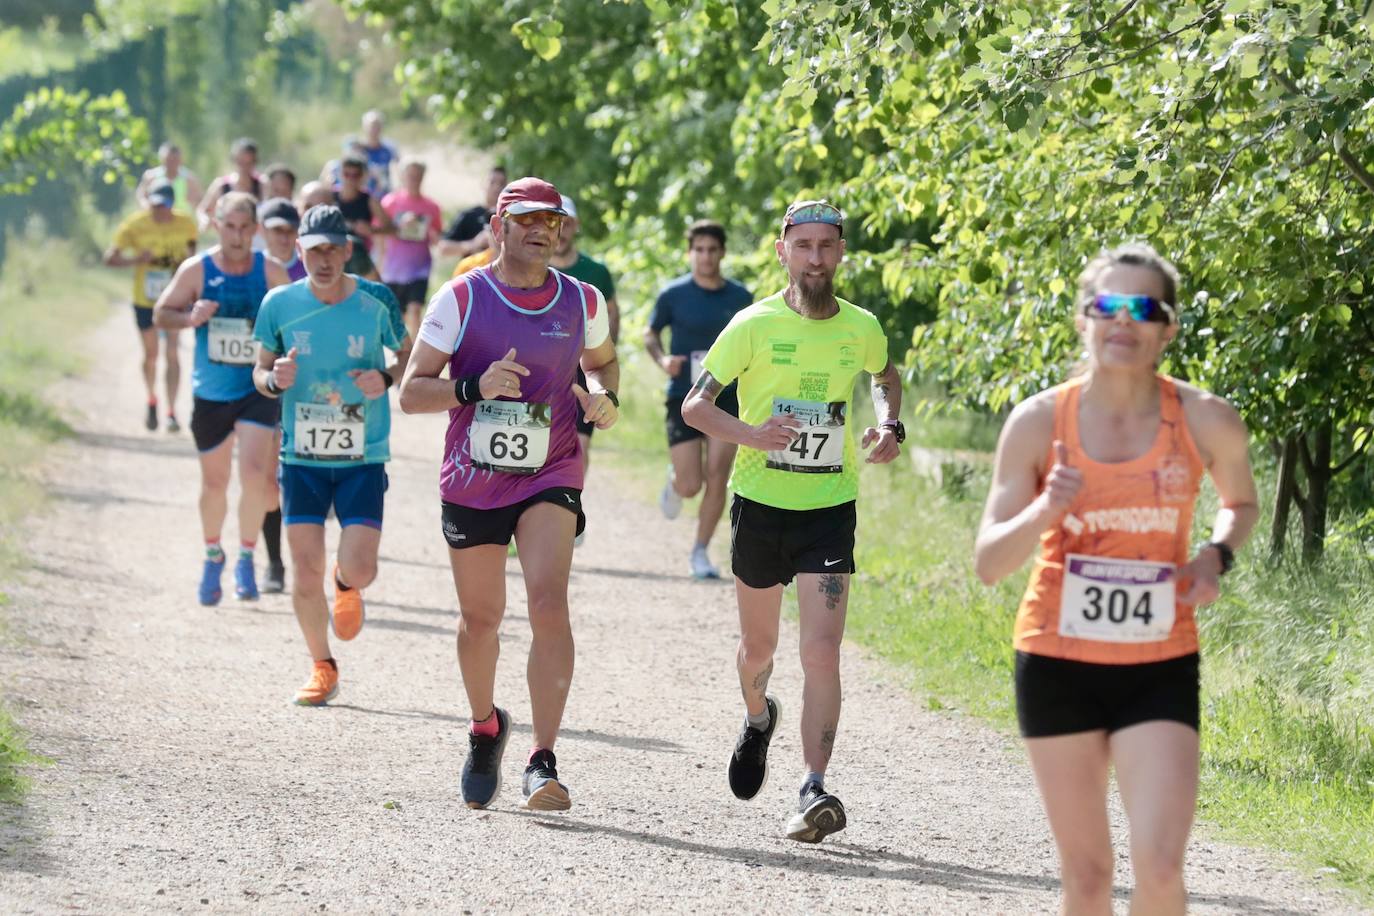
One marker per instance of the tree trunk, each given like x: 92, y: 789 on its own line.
x: 1283, y: 495
x: 1318, y: 485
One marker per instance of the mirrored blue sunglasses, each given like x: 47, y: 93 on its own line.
x: 1140, y: 308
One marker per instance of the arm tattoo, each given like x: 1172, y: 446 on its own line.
x: 832, y: 587
x: 761, y: 679
x: 828, y: 738
x: 707, y: 385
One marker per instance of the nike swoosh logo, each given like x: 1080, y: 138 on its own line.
x: 833, y: 562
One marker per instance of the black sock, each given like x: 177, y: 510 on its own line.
x: 333, y: 664
x: 340, y: 586
x: 271, y: 536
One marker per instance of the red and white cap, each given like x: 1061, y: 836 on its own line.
x: 529, y: 195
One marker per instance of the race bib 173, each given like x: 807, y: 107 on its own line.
x: 329, y: 432
x: 1110, y: 600
x: 231, y: 342
x: 819, y: 446
x: 511, y: 437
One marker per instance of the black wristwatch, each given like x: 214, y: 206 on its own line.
x: 897, y: 429
x: 1224, y: 553
x: 610, y: 396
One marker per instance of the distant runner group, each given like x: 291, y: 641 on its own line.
x: 297, y: 346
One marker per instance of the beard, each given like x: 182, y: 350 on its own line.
x: 816, y: 298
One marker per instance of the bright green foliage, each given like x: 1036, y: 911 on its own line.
x: 57, y: 133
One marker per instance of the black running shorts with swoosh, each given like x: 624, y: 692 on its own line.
x: 769, y: 546
x: 468, y: 527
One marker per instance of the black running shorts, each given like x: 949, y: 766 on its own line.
x: 1057, y: 696
x: 467, y: 527
x: 143, y: 317
x: 213, y: 421
x: 768, y: 546
x: 408, y: 293
x: 680, y: 431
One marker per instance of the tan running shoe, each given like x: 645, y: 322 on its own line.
x: 348, y: 610
x: 322, y: 687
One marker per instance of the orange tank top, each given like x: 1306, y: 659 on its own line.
x: 1102, y: 588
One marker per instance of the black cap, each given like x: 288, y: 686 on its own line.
x: 278, y: 211
x: 323, y: 225
x: 161, y: 193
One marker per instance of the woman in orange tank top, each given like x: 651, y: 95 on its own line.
x: 1102, y: 473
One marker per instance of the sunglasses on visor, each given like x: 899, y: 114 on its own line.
x: 814, y: 211
x: 550, y: 219
x: 1140, y: 308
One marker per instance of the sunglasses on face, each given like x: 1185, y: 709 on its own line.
x: 552, y: 221
x: 1140, y: 308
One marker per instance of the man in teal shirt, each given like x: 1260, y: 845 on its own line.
x: 323, y: 341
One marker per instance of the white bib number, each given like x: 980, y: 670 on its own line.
x: 414, y: 229
x: 329, y: 432
x: 231, y: 342
x: 511, y: 437
x: 1110, y: 600
x: 154, y: 282
x: 698, y: 360
x: 819, y: 446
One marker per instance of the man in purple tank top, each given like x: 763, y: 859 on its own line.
x: 512, y: 335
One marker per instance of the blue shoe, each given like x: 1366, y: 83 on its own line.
x: 245, y: 580
x: 210, y: 592
x: 482, y: 769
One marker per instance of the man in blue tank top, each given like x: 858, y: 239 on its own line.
x: 218, y: 294
x: 323, y: 354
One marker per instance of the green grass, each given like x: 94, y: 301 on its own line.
x: 1288, y: 670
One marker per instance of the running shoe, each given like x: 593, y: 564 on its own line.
x: 702, y: 567
x: 749, y: 762
x: 245, y: 579
x: 668, y: 501
x: 172, y: 425
x: 274, y: 583
x: 819, y: 814
x: 543, y: 791
x: 210, y: 592
x: 151, y: 420
x: 348, y: 610
x: 482, y: 769
x: 322, y: 687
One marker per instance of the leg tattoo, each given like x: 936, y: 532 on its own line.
x: 832, y: 587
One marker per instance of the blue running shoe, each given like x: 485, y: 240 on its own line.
x: 482, y: 769
x: 210, y: 592
x: 245, y: 580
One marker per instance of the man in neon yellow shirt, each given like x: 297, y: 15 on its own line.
x: 797, y: 355
x: 154, y: 241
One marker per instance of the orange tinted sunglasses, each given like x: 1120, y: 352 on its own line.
x: 550, y: 219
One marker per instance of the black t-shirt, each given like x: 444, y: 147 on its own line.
x: 468, y: 224
x: 359, y: 208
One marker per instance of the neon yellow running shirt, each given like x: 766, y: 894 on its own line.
x: 804, y: 367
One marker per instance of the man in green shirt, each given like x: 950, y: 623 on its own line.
x: 797, y: 355
x: 568, y: 259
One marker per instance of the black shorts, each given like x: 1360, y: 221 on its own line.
x: 768, y: 546
x: 678, y: 429
x: 467, y: 527
x: 1057, y: 696
x: 406, y: 293
x: 143, y: 317
x: 213, y: 421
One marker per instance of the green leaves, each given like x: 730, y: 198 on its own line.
x: 540, y: 35
x: 54, y: 132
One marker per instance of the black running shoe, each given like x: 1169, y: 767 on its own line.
x: 482, y: 769
x: 749, y: 762
x: 819, y: 814
x: 543, y: 791
x: 274, y: 583
x: 151, y: 420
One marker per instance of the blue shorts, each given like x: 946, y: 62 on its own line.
x: 355, y: 492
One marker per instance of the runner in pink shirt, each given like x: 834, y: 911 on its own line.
x: 406, y: 262
x: 512, y: 335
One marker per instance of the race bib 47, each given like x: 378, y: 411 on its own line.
x: 819, y: 446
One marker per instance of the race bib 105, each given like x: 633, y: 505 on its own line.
x: 1110, y: 600
x: 511, y: 437
x: 231, y: 342
x: 327, y: 432
x: 819, y: 446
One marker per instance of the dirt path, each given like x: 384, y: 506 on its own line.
x: 184, y: 777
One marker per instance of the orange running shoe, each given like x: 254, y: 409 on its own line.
x: 322, y: 687
x: 348, y: 610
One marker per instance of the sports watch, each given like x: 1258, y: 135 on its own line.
x: 610, y: 396
x: 897, y: 428
x: 1225, y: 554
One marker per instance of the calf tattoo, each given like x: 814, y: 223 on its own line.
x: 828, y: 738
x: 761, y: 679
x: 832, y: 587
